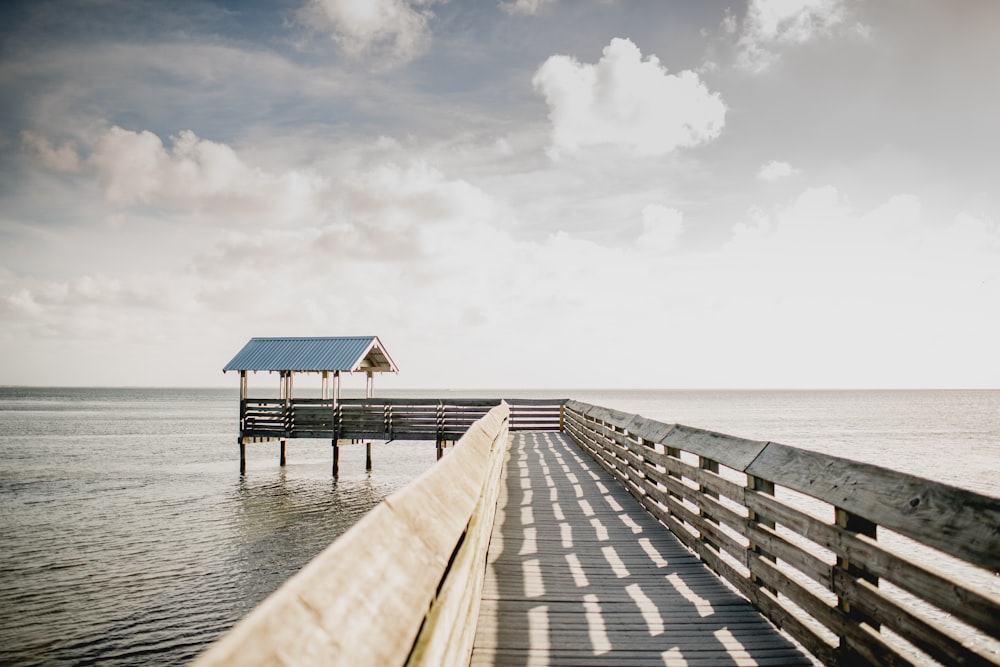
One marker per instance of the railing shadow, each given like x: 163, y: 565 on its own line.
x: 585, y: 576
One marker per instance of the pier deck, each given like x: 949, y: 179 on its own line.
x: 578, y: 573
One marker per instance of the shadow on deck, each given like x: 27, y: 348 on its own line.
x: 579, y: 573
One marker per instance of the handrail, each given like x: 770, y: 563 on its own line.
x: 399, y: 577
x: 386, y: 418
x: 831, y: 550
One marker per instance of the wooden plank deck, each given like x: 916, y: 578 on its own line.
x: 579, y: 573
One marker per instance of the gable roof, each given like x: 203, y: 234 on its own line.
x: 336, y: 353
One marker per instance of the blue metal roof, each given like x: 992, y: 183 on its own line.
x: 338, y: 353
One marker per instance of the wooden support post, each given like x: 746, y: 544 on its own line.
x: 281, y: 462
x: 766, y: 487
x: 440, y: 448
x: 336, y: 458
x: 710, y: 466
x: 861, y: 526
x: 243, y: 457
x: 562, y: 417
x: 368, y: 455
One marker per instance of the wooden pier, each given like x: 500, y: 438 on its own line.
x: 611, y: 539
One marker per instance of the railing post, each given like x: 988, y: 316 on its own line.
x: 860, y: 526
x: 562, y: 417
x: 387, y: 421
x: 710, y: 466
x: 439, y: 422
x: 760, y: 486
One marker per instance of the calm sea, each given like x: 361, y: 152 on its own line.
x: 128, y: 536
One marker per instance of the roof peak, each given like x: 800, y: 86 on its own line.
x: 313, y: 354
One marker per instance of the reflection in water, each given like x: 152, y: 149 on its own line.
x: 278, y: 520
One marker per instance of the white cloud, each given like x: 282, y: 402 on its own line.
x: 627, y: 102
x: 525, y: 7
x: 661, y: 228
x: 775, y: 171
x: 770, y: 25
x: 815, y: 292
x: 195, y: 173
x: 62, y: 158
x: 395, y: 30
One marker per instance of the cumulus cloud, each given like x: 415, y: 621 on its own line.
x: 626, y: 101
x: 137, y: 168
x: 57, y: 158
x: 775, y: 171
x: 525, y: 7
x: 661, y: 228
x: 395, y: 30
x: 770, y: 25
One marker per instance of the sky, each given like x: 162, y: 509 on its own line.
x: 509, y: 193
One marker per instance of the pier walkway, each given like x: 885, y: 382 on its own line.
x: 578, y: 573
x: 575, y: 534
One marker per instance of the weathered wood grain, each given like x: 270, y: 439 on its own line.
x: 956, y: 521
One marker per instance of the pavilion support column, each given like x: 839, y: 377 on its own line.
x: 287, y: 392
x: 243, y: 410
x: 369, y: 393
x: 336, y: 429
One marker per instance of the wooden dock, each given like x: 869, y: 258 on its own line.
x: 578, y: 573
x: 598, y: 537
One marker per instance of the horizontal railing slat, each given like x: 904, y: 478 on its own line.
x: 387, y: 418
x: 798, y: 587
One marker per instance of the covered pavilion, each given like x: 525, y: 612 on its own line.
x: 329, y: 356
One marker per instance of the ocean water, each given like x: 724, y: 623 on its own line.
x: 128, y: 536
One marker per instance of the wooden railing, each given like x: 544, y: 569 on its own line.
x: 862, y: 565
x: 397, y: 588
x: 386, y: 418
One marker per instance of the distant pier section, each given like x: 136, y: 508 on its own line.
x: 355, y: 420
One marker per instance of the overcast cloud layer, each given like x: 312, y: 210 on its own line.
x: 529, y: 193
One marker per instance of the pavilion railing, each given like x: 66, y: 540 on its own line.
x: 862, y: 565
x: 387, y: 418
